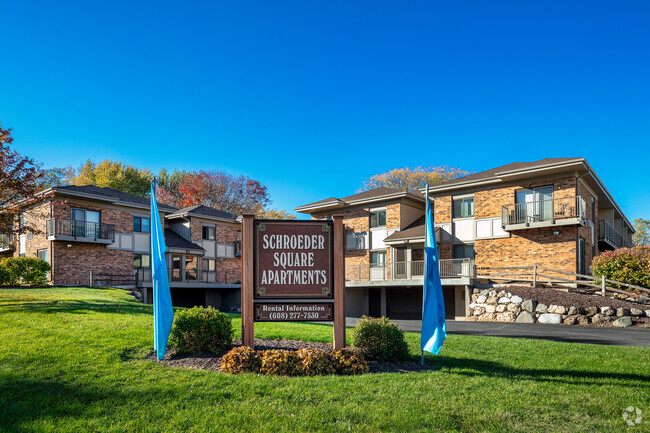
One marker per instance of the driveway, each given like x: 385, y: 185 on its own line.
x: 574, y: 334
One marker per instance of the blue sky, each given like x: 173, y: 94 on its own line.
x: 312, y: 97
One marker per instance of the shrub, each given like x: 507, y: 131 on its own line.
x: 315, y: 362
x: 28, y: 271
x: 627, y: 265
x: 348, y: 362
x: 280, y: 362
x: 201, y: 329
x: 379, y: 339
x: 241, y: 360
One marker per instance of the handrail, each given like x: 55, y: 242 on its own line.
x: 544, y: 210
x: 79, y: 229
x: 408, y: 270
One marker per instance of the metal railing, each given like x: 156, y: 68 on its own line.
x: 544, y: 211
x: 407, y: 270
x: 80, y: 229
x: 6, y: 243
x: 607, y: 233
x: 175, y: 275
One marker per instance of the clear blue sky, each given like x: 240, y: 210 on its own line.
x: 313, y: 97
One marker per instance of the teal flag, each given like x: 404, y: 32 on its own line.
x: 163, y: 314
x: 434, y: 328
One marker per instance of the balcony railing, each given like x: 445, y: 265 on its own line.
x: 410, y: 270
x: 80, y: 230
x: 560, y: 211
x: 608, y: 234
x: 143, y: 275
x: 6, y: 243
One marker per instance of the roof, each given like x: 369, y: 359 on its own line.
x: 201, y: 210
x: 174, y: 240
x: 108, y: 193
x: 415, y: 230
x: 377, y: 194
x: 494, y: 172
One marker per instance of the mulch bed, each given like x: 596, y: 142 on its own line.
x: 209, y: 361
x: 552, y: 296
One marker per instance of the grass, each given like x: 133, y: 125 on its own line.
x: 70, y: 360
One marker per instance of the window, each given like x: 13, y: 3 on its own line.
x: 465, y: 251
x: 141, y: 261
x: 42, y: 254
x: 463, y: 207
x: 377, y: 218
x: 237, y: 246
x: 141, y: 224
x: 208, y: 233
x: 378, y: 258
x: 209, y: 265
x: 21, y: 223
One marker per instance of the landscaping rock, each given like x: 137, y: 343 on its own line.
x: 474, y: 297
x: 582, y: 319
x: 490, y: 309
x: 481, y: 299
x: 557, y: 309
x: 550, y: 319
x: 529, y: 305
x: 581, y: 311
x: 516, y: 300
x: 502, y: 293
x: 487, y: 317
x: 500, y: 308
x: 647, y: 313
x: 623, y: 322
x: 525, y: 317
x: 607, y: 311
x: 492, y: 300
x: 514, y: 308
x: 506, y: 317
x: 478, y: 311
x: 541, y: 308
x: 620, y: 312
x: 636, y: 312
x: 570, y: 320
x: 572, y: 311
x: 492, y: 293
x: 504, y: 300
x: 600, y: 319
x: 590, y: 311
x: 473, y: 305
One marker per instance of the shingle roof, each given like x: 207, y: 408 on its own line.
x: 174, y: 240
x: 487, y: 174
x: 414, y: 230
x: 109, y: 193
x: 365, y: 195
x: 208, y: 211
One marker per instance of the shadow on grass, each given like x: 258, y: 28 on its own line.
x: 478, y: 367
x: 74, y: 306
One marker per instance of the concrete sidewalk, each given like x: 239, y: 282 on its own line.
x: 575, y: 334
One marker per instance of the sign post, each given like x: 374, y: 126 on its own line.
x: 293, y: 271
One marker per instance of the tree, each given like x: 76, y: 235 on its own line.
x: 58, y: 176
x: 116, y: 175
x: 412, y: 179
x: 274, y: 214
x: 216, y: 189
x: 642, y: 236
x: 20, y: 180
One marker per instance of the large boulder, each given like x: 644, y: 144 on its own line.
x: 490, y: 308
x: 607, y: 311
x: 487, y: 317
x: 505, y: 317
x: 570, y: 320
x: 647, y: 313
x: 481, y: 299
x: 623, y: 322
x: 582, y: 319
x: 500, y: 308
x: 514, y: 308
x: 478, y: 311
x: 541, y: 308
x: 600, y: 319
x: 636, y: 312
x: 529, y: 305
x: 572, y: 311
x: 516, y: 300
x: 525, y: 317
x: 557, y: 309
x: 590, y: 311
x: 550, y: 319
x: 492, y: 300
x: 504, y: 300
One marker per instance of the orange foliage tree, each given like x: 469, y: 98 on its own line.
x: 412, y: 179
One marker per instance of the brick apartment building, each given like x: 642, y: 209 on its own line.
x: 94, y: 236
x: 555, y: 213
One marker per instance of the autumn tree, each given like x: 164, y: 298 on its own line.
x: 412, y: 179
x: 20, y: 180
x: 642, y: 236
x: 216, y: 189
x: 116, y: 175
x: 274, y: 214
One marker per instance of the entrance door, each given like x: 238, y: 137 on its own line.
x: 378, y: 265
x: 581, y: 256
x: 400, y: 270
x: 177, y: 261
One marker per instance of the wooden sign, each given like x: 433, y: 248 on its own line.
x: 293, y: 271
x: 293, y: 312
x: 293, y: 259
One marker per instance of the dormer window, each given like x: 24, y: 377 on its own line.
x: 377, y: 218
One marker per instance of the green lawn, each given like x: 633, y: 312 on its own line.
x: 70, y: 361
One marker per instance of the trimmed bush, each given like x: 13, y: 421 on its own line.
x: 201, y: 329
x: 627, y: 265
x: 315, y: 362
x: 28, y: 271
x: 241, y: 360
x: 280, y: 362
x: 379, y: 339
x: 348, y: 362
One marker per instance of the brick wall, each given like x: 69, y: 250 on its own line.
x: 122, y: 219
x: 73, y: 264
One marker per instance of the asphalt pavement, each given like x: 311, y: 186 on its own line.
x: 574, y: 334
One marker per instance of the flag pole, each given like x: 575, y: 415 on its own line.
x: 424, y: 283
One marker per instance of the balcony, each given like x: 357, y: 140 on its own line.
x: 544, y: 213
x: 452, y: 272
x: 60, y: 229
x: 6, y: 244
x: 609, y: 237
x: 191, y: 277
